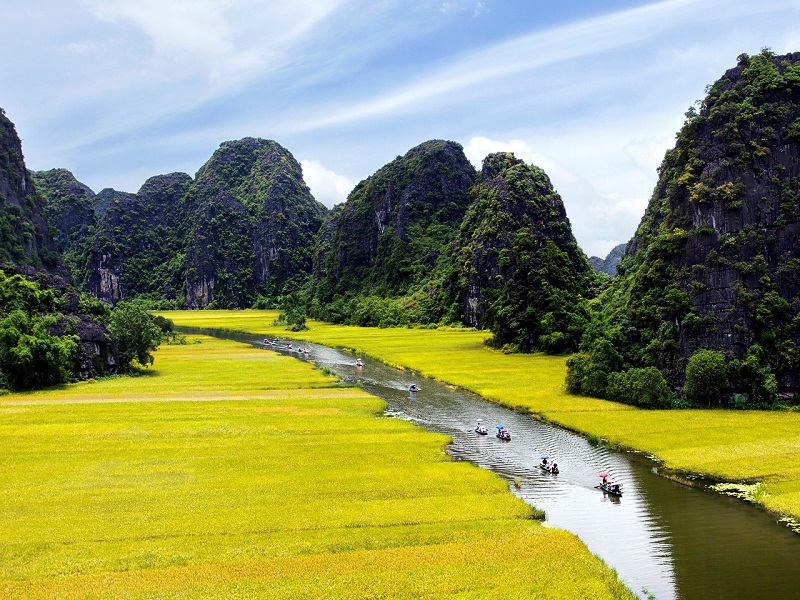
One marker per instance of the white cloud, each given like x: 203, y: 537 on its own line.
x: 327, y: 187
x: 525, y: 53
x: 227, y: 40
x: 476, y: 8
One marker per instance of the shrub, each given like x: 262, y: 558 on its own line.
x: 643, y: 387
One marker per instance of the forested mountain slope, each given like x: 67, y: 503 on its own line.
x: 715, y: 263
x: 25, y: 239
x: 519, y: 270
x: 252, y: 228
x: 48, y: 333
x: 387, y: 238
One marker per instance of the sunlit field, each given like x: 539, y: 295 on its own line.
x: 230, y: 472
x: 749, y: 446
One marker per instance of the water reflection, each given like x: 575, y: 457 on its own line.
x: 664, y: 540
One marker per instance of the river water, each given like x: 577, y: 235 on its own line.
x: 665, y: 540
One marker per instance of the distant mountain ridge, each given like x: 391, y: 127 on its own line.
x: 609, y: 264
x: 245, y: 226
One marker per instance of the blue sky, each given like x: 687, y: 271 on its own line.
x: 593, y: 92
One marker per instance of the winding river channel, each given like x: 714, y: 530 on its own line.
x: 665, y: 540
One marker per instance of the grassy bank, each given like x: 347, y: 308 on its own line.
x: 746, y: 446
x: 234, y: 473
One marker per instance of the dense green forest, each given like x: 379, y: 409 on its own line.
x: 702, y: 305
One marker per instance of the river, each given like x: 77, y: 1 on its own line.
x: 665, y: 540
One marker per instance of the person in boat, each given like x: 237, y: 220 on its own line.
x: 605, y: 480
x: 544, y: 462
x: 554, y: 467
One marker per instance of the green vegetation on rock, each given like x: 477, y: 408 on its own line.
x: 518, y: 269
x: 713, y: 264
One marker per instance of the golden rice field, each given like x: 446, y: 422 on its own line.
x: 229, y: 472
x: 746, y: 446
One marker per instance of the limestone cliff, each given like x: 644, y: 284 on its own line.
x: 396, y: 224
x: 520, y: 271
x: 715, y: 262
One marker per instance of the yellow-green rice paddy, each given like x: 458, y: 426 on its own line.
x: 228, y: 472
x: 744, y: 446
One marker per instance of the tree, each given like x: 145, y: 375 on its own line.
x: 135, y: 333
x: 29, y: 356
x: 705, y: 375
x: 643, y: 387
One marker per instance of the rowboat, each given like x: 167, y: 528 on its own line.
x: 503, y: 433
x: 609, y: 487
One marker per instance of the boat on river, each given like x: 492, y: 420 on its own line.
x: 609, y: 487
x: 481, y: 428
x: 413, y: 388
x: 359, y: 363
x: 548, y: 465
x: 503, y: 433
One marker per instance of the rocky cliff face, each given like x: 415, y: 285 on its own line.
x: 609, y: 264
x: 520, y: 270
x: 27, y: 249
x: 137, y: 246
x: 253, y: 228
x: 69, y: 206
x: 24, y: 235
x: 395, y: 224
x: 715, y: 263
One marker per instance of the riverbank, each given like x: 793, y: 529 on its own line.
x: 723, y: 445
x: 225, y: 471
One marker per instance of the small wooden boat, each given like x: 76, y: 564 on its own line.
x: 550, y: 468
x: 480, y: 428
x: 503, y: 433
x: 413, y: 388
x: 359, y: 363
x: 610, y: 487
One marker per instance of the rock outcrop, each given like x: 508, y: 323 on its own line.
x: 395, y: 225
x: 520, y: 271
x: 715, y: 262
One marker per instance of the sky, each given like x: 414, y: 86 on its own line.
x: 592, y: 92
